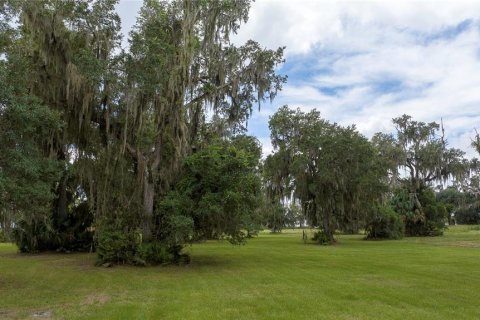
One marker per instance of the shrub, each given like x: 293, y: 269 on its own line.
x: 127, y: 248
x: 422, y: 214
x: 432, y: 222
x: 385, y: 224
x: 468, y: 215
x: 321, y: 238
x: 117, y: 247
x: 3, y: 238
x: 34, y: 233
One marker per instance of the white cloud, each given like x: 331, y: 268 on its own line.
x: 300, y: 25
x: 342, y: 56
x: 367, y: 62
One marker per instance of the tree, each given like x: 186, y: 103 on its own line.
x: 182, y: 64
x: 465, y: 202
x: 56, y: 56
x: 27, y: 170
x: 130, y: 119
x: 332, y: 170
x: 219, y: 191
x: 420, y: 150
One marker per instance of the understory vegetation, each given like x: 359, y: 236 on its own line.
x: 137, y: 153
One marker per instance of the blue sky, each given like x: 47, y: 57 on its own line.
x: 367, y: 62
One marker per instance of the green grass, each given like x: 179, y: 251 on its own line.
x: 272, y: 277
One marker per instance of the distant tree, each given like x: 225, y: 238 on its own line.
x: 467, y: 207
x: 384, y: 223
x: 420, y: 150
x: 274, y: 216
x: 454, y: 200
x: 332, y: 170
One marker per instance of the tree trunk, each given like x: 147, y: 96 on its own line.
x: 327, y: 227
x: 61, y: 208
x: 148, y: 200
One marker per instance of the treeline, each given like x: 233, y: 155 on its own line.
x: 136, y: 153
x: 131, y: 153
x: 390, y: 186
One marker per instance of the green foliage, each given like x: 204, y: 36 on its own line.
x: 86, y: 125
x: 385, y: 223
x: 26, y: 173
x: 118, y: 247
x: 423, y: 215
x: 274, y: 216
x: 322, y: 238
x: 34, y: 233
x: 3, y: 237
x: 468, y: 215
x: 332, y: 170
x: 219, y: 191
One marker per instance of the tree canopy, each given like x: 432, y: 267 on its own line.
x: 332, y: 170
x: 117, y: 126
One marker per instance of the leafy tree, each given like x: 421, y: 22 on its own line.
x: 126, y: 121
x: 455, y: 200
x: 331, y: 170
x: 180, y: 65
x: 385, y: 223
x: 427, y: 221
x: 219, y: 191
x: 28, y: 171
x: 465, y: 203
x: 420, y: 150
x: 274, y: 216
x: 56, y: 53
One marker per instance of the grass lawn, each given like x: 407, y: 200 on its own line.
x: 272, y: 277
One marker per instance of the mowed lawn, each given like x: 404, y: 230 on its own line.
x: 272, y: 277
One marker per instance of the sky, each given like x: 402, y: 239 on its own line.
x: 364, y: 63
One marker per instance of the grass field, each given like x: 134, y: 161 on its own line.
x: 272, y: 277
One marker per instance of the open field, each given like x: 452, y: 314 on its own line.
x: 272, y: 277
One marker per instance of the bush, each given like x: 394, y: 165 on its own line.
x: 432, y: 222
x: 127, y: 248
x: 422, y: 214
x: 468, y: 215
x: 2, y: 236
x: 117, y: 247
x: 321, y: 238
x: 34, y: 233
x: 385, y: 224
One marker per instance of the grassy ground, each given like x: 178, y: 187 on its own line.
x: 272, y: 277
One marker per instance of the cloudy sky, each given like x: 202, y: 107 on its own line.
x: 367, y: 62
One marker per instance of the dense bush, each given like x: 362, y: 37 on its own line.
x: 217, y: 195
x: 385, y: 223
x: 34, y: 233
x: 3, y: 238
x: 321, y: 238
x: 118, y: 247
x: 468, y: 215
x: 422, y: 214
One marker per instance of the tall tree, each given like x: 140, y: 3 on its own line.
x: 129, y: 119
x: 332, y: 169
x: 419, y: 150
x: 182, y: 64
